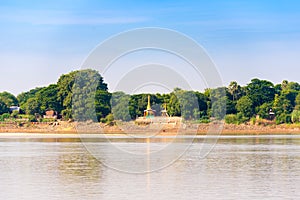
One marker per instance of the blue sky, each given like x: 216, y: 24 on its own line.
x: 40, y: 40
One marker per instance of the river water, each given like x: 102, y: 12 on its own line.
x: 245, y: 167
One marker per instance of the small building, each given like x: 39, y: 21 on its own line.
x: 271, y: 114
x: 50, y: 114
x: 14, y: 108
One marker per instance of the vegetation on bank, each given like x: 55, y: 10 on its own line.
x: 83, y: 95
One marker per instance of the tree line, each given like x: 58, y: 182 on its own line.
x: 83, y: 95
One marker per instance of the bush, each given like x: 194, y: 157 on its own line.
x: 253, y: 120
x: 47, y: 120
x: 109, y: 119
x: 14, y: 114
x: 242, y: 118
x: 231, y: 119
x: 31, y: 118
x: 4, y: 116
x: 204, y: 120
x: 295, y: 116
x: 284, y: 118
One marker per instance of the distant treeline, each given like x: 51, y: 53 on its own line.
x: 83, y: 95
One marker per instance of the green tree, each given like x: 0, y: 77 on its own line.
x: 173, y: 105
x: 9, y: 99
x: 90, y: 99
x: 282, y: 104
x: 245, y: 106
x: 218, y: 103
x: 3, y: 107
x: 24, y: 96
x: 293, y: 86
x: 102, y: 103
x: 260, y: 91
x: 47, y: 98
x: 202, y: 103
x: 188, y: 103
x: 32, y: 106
x: 264, y: 110
x: 120, y: 106
x: 64, y: 96
x: 297, y: 102
x: 235, y: 90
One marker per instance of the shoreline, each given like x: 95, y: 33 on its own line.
x: 67, y: 128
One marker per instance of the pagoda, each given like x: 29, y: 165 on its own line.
x: 164, y: 112
x: 149, y: 113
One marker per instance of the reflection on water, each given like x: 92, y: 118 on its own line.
x: 238, y: 168
x: 79, y: 165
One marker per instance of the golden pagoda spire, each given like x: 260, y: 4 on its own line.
x: 149, y: 105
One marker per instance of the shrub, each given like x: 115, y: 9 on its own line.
x: 231, y: 119
x: 47, y: 120
x: 14, y: 114
x: 283, y: 118
x: 241, y: 118
x: 31, y: 118
x: 204, y: 120
x: 253, y: 120
x: 109, y: 119
x: 295, y: 116
x: 4, y: 116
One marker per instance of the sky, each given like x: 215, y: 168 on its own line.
x: 41, y: 40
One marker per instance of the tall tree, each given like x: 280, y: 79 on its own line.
x: 235, y: 90
x: 89, y: 97
x: 260, y: 91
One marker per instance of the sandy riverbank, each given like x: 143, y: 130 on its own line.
x: 166, y: 129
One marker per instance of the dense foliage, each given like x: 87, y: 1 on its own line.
x: 83, y: 95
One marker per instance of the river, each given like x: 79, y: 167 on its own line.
x: 237, y: 167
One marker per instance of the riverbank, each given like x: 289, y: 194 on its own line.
x: 154, y: 129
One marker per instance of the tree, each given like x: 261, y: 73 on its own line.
x: 235, y: 90
x: 173, y: 106
x: 102, y: 103
x: 260, y: 91
x: 245, y: 106
x: 264, y: 109
x: 3, y: 107
x: 24, y: 96
x: 188, y: 103
x: 293, y: 86
x: 65, y: 86
x: 32, y: 106
x: 78, y: 93
x: 47, y: 98
x: 9, y: 99
x: 120, y: 106
x: 297, y: 102
x: 202, y: 103
x: 218, y: 102
x: 89, y: 96
x: 284, y: 103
